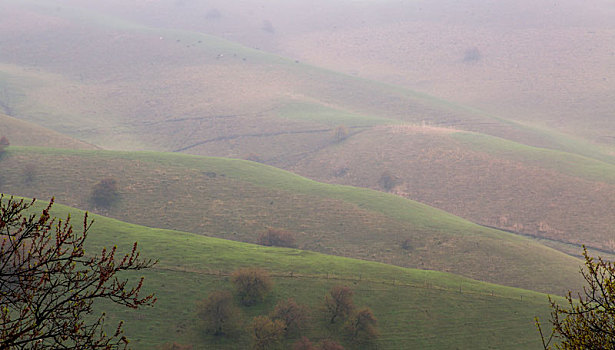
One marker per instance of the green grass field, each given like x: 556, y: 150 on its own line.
x: 185, y: 91
x: 499, y: 142
x: 416, y: 309
x: 237, y: 200
x: 493, y: 181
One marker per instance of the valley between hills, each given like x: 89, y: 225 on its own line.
x: 445, y: 161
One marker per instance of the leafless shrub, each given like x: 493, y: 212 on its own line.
x: 266, y: 333
x: 387, y: 181
x: 362, y: 327
x: 292, y: 314
x: 252, y: 285
x: 339, y: 303
x: 254, y: 157
x: 277, y: 237
x: 105, y: 193
x: 219, y: 314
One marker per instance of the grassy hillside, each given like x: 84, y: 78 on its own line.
x: 21, y: 133
x: 134, y: 86
x: 492, y: 181
x: 416, y: 309
x: 238, y: 200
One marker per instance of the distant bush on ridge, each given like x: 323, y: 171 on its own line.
x: 387, y: 181
x: 277, y: 237
x: 472, y: 55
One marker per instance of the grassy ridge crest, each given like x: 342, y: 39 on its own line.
x: 237, y: 199
x: 416, y: 308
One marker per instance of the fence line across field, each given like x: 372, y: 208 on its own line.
x: 355, y: 279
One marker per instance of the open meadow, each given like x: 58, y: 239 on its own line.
x: 447, y: 160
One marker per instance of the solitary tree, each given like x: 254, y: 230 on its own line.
x: 588, y: 320
x: 267, y: 333
x: 362, y: 327
x: 48, y: 284
x: 338, y: 303
x: 292, y: 314
x: 251, y: 284
x: 220, y: 316
x: 105, y: 192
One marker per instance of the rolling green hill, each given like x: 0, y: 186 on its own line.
x: 416, y: 309
x: 238, y: 200
x: 492, y: 181
x: 21, y: 133
x: 133, y: 86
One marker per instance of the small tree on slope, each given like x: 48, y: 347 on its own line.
x: 338, y: 303
x: 252, y: 285
x: 219, y: 314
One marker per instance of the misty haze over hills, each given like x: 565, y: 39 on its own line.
x: 545, y: 63
x: 473, y: 138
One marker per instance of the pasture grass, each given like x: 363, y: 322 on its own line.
x: 237, y: 200
x: 416, y: 309
x: 564, y: 162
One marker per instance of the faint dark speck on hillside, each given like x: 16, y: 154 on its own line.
x: 472, y: 55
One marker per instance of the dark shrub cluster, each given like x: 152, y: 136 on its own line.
x: 105, y: 193
x: 277, y: 237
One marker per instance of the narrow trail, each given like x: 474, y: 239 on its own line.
x: 561, y: 241
x: 356, y: 280
x: 267, y: 134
